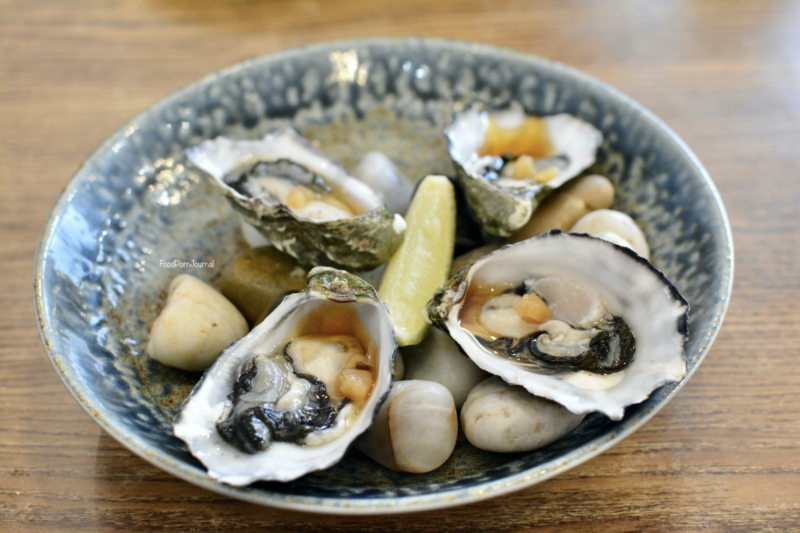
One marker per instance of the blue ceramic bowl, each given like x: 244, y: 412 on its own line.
x: 108, y: 250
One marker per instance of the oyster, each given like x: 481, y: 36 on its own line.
x: 571, y: 318
x: 302, y: 202
x: 290, y: 397
x: 507, y: 162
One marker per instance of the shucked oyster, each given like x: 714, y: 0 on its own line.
x: 302, y: 202
x: 290, y: 397
x: 571, y: 318
x: 507, y: 162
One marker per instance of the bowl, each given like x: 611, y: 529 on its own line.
x: 135, y: 215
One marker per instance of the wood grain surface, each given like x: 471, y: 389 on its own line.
x: 725, y: 75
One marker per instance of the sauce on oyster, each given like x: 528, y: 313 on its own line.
x: 299, y: 189
x: 553, y: 324
x: 517, y: 136
x: 522, y: 149
x: 519, y: 141
x: 306, y: 391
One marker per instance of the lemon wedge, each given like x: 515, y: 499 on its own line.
x: 422, y: 262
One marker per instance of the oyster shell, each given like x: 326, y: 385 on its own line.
x: 335, y: 219
x: 502, y: 204
x: 584, y: 363
x: 270, y: 408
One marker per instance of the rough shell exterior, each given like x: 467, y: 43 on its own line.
x: 500, y: 211
x: 361, y: 243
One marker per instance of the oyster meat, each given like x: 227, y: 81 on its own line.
x: 290, y: 397
x: 507, y: 162
x: 303, y: 203
x: 572, y: 318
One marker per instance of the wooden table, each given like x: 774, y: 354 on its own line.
x: 725, y: 75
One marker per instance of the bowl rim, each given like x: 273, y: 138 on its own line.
x: 395, y: 504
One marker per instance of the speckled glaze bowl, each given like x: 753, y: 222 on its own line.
x: 134, y: 216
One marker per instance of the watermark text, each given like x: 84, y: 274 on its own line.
x: 175, y: 263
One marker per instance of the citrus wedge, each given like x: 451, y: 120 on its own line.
x: 422, y: 263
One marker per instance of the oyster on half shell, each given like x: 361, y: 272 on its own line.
x: 303, y: 203
x: 507, y: 162
x: 291, y: 397
x: 572, y: 318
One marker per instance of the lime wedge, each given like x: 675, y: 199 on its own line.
x: 422, y: 263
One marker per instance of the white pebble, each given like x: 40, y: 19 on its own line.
x: 438, y: 359
x: 381, y: 174
x: 252, y: 236
x: 499, y: 417
x: 415, y: 429
x: 604, y: 221
x: 196, y: 324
